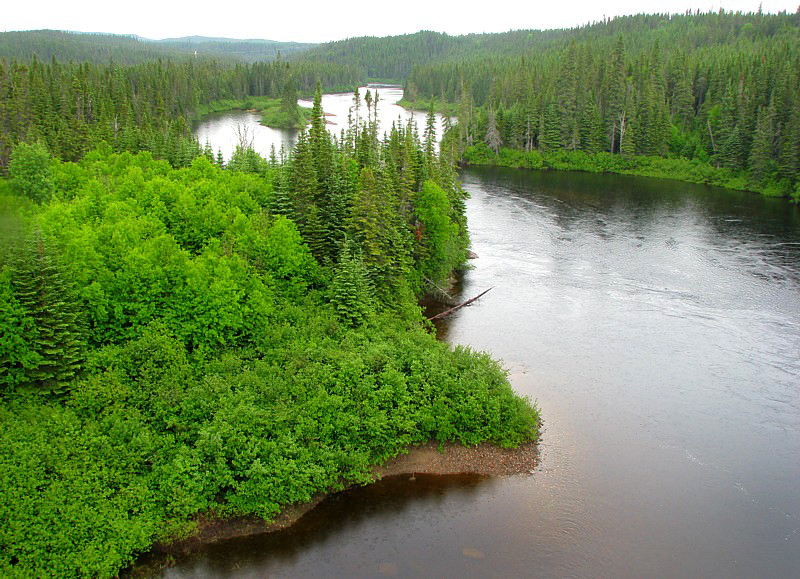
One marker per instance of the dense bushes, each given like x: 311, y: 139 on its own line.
x: 220, y: 368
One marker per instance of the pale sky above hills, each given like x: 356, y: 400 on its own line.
x: 318, y: 21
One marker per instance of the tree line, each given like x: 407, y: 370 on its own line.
x: 149, y: 106
x: 720, y: 88
x: 130, y: 49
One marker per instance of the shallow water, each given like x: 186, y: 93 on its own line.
x: 657, y: 324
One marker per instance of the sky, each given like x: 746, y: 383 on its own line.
x: 321, y: 21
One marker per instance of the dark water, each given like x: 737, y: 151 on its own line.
x: 658, y: 326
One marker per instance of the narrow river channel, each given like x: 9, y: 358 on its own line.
x: 657, y: 324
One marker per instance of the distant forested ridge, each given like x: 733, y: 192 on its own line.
x: 129, y: 49
x: 251, y: 50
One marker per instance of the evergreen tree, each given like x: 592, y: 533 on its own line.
x: 492, y: 137
x: 568, y: 99
x: 18, y: 355
x: 289, y: 103
x: 374, y: 226
x: 591, y: 127
x: 789, y: 158
x: 616, y: 94
x: 549, y: 130
x: 352, y: 293
x: 761, y: 153
x: 732, y: 151
x: 49, y: 301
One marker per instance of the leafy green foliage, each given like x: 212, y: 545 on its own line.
x: 441, y: 247
x: 691, y: 170
x: 238, y: 360
x: 30, y: 173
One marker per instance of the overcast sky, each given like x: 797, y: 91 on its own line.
x: 320, y: 21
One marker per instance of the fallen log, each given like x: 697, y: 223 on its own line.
x: 441, y: 294
x: 459, y: 306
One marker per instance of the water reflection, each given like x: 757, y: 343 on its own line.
x: 308, y: 546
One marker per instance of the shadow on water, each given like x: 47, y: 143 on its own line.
x: 354, y: 511
x: 433, y: 305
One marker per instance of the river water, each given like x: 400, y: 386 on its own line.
x: 657, y: 325
x: 220, y: 129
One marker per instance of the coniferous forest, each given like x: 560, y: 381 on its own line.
x: 183, y: 337
x: 709, y: 98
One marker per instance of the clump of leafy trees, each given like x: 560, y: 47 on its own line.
x: 222, y: 341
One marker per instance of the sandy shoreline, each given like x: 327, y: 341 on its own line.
x: 483, y: 459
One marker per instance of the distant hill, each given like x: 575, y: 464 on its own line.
x: 131, y: 49
x: 394, y: 57
x: 250, y: 50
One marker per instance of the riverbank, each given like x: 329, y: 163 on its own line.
x: 269, y: 109
x: 681, y: 169
x: 443, y: 108
x: 451, y: 459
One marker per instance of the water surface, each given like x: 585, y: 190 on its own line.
x: 220, y: 130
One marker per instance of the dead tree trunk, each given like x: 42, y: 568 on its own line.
x: 459, y: 306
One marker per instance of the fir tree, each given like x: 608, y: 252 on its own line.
x: 48, y: 299
x: 549, y: 129
x: 492, y: 137
x: 352, y: 293
x: 761, y: 152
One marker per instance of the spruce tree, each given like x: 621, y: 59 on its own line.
x: 352, y: 293
x: 549, y: 131
x: 789, y: 156
x: 568, y: 99
x: 48, y: 298
x: 761, y: 152
x: 492, y: 137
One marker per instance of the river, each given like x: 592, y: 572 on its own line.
x: 220, y: 129
x: 657, y: 325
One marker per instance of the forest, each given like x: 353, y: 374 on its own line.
x: 223, y: 341
x: 703, y: 97
x: 70, y: 107
x: 710, y: 98
x: 185, y: 338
